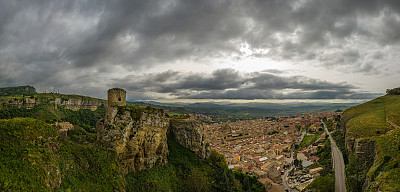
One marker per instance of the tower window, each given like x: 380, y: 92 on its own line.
x: 119, y: 99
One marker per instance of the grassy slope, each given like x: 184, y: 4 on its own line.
x: 368, y: 121
x: 23, y: 155
x: 33, y: 158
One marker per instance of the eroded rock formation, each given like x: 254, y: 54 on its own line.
x: 190, y: 133
x: 70, y: 103
x: 137, y: 134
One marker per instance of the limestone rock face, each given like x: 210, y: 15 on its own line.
x: 190, y: 133
x: 71, y: 103
x: 138, y: 135
x: 365, y: 149
x: 77, y: 104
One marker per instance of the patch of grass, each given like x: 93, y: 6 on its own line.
x: 308, y: 140
x: 393, y: 108
x: 368, y: 119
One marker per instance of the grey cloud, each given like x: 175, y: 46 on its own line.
x: 273, y: 71
x: 170, y: 30
x: 41, y: 40
x: 231, y: 84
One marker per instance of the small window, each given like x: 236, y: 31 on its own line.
x: 119, y: 99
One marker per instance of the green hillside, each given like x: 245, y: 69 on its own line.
x: 21, y: 90
x: 375, y: 122
x: 84, y: 118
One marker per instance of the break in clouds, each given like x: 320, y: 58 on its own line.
x: 86, y: 45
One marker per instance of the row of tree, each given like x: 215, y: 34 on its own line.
x: 395, y: 91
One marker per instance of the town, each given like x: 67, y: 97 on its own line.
x: 280, y: 151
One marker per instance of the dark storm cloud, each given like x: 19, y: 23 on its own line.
x: 70, y: 44
x: 230, y: 84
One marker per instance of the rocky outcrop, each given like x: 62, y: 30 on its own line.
x: 365, y: 149
x: 29, y: 102
x: 190, y: 133
x: 77, y: 104
x: 138, y: 135
x: 68, y: 103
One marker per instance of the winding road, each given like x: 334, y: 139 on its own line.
x: 338, y: 164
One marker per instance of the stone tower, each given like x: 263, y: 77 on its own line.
x: 116, y: 97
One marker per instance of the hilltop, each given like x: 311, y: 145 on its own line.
x: 373, y: 141
x: 21, y: 90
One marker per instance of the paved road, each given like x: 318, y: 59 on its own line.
x: 338, y: 164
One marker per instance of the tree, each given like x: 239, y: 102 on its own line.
x: 217, y: 160
x: 246, y: 183
x: 196, y: 180
x: 395, y: 91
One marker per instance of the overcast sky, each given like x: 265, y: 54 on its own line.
x: 210, y: 49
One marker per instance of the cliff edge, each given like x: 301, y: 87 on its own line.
x: 190, y: 133
x: 137, y: 134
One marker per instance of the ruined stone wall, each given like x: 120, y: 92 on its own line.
x: 116, y: 97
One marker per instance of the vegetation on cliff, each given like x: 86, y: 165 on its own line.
x: 374, y: 122
x: 21, y: 90
x: 34, y: 158
x: 186, y: 172
x: 47, y: 112
x: 395, y: 91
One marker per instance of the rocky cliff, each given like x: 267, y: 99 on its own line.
x: 364, y: 149
x: 137, y: 134
x: 190, y: 133
x: 73, y: 103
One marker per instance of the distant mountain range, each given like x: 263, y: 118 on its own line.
x: 251, y: 110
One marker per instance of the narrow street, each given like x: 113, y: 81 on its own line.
x: 338, y: 164
x: 285, y: 176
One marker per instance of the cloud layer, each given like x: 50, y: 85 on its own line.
x: 78, y: 44
x: 231, y: 84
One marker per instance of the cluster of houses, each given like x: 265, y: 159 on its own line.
x: 263, y: 147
